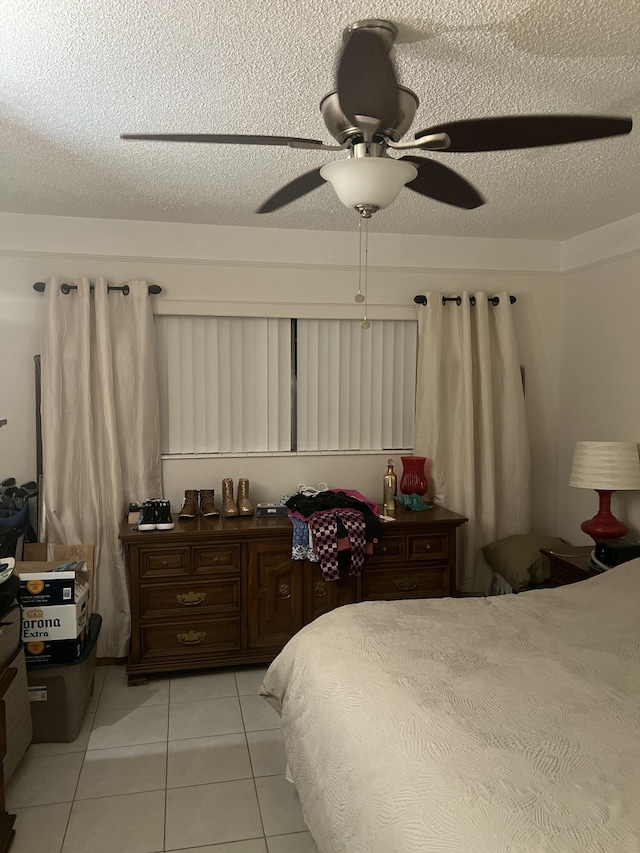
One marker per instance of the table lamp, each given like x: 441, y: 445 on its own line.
x: 607, y: 467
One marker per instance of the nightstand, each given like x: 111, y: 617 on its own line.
x: 569, y: 565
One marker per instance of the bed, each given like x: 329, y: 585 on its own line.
x: 487, y: 725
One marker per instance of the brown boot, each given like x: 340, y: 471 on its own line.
x: 189, y: 504
x: 245, y: 507
x: 207, y: 503
x: 229, y: 506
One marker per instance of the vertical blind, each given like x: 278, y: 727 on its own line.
x: 225, y: 384
x: 355, y: 387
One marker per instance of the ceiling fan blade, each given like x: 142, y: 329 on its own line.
x: 510, y: 132
x: 443, y: 184
x: 292, y: 191
x: 221, y: 138
x: 366, y: 80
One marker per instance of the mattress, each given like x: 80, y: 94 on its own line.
x: 485, y: 725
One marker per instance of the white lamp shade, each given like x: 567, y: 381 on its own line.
x: 606, y: 465
x: 368, y: 180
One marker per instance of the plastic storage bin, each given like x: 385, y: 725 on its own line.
x: 59, y: 694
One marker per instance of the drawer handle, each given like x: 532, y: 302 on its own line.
x: 165, y: 562
x: 384, y: 549
x: 284, y: 591
x: 320, y: 589
x: 193, y: 638
x: 406, y: 584
x: 191, y: 599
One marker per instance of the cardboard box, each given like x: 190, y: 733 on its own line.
x: 56, y: 621
x: 60, y: 694
x: 43, y: 551
x: 39, y: 652
x: 48, y: 582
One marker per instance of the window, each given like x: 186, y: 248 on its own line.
x: 238, y: 385
x: 224, y: 384
x: 356, y: 387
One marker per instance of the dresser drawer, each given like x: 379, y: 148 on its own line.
x: 563, y: 573
x: 208, y: 559
x: 410, y: 583
x: 427, y: 547
x: 387, y: 549
x: 191, y: 637
x: 163, y: 562
x: 203, y: 597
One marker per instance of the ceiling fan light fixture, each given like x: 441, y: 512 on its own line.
x: 369, y: 113
x: 368, y: 181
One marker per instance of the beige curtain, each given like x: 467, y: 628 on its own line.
x: 471, y: 422
x: 100, y: 430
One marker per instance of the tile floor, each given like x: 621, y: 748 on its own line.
x: 192, y: 763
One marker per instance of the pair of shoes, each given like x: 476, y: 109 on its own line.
x: 202, y: 501
x: 155, y: 515
x: 229, y: 506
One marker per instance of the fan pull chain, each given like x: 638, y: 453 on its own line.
x: 365, y: 321
x: 359, y: 297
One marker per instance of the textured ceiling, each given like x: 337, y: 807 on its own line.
x: 76, y: 73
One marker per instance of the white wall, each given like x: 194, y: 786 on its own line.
x: 20, y: 318
x: 599, y: 363
x: 242, y: 271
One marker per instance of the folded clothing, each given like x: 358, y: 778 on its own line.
x: 304, y: 506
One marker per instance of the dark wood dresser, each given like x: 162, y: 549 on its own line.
x: 225, y: 591
x: 7, y: 832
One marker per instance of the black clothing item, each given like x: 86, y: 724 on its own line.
x: 306, y: 506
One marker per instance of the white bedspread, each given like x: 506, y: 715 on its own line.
x: 469, y: 725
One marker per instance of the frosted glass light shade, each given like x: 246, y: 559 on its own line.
x: 368, y: 180
x: 606, y: 465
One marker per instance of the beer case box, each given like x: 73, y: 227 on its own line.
x: 56, y: 621
x: 49, y: 552
x: 60, y: 694
x: 47, y: 582
x: 54, y: 652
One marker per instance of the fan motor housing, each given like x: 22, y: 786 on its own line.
x: 341, y: 128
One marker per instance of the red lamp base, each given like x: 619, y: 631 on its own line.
x: 604, y: 525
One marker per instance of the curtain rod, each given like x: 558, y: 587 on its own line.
x: 421, y: 299
x: 154, y: 289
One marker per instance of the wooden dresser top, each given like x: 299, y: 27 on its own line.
x: 250, y: 526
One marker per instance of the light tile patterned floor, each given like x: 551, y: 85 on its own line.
x: 192, y: 763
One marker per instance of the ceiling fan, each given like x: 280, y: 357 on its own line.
x: 369, y: 113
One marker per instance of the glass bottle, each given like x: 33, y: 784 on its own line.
x: 390, y: 489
